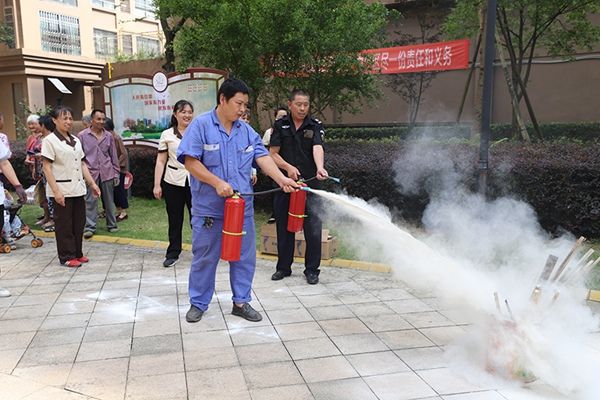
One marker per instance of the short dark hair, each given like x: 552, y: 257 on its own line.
x: 230, y: 87
x: 179, y: 106
x: 46, y: 121
x: 109, y: 125
x: 298, y: 92
x: 96, y: 111
x: 61, y: 110
x: 280, y: 108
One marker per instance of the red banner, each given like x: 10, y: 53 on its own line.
x: 440, y: 56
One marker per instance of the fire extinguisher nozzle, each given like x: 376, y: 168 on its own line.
x: 337, y: 180
x: 305, y: 188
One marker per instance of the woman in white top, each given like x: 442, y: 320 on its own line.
x: 65, y: 171
x: 175, y: 185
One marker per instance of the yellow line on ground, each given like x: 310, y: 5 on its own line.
x: 333, y: 262
x: 594, y: 295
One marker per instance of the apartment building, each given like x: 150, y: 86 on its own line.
x: 61, y: 48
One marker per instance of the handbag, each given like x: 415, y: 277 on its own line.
x: 39, y: 193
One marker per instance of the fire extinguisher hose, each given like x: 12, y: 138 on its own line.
x: 278, y: 189
x: 263, y: 192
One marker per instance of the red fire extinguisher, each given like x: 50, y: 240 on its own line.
x: 233, y: 223
x: 296, y: 212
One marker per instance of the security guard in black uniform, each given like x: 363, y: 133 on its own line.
x: 297, y: 148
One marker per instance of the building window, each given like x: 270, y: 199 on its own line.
x: 110, y: 4
x: 127, y: 45
x: 60, y: 33
x: 148, y: 46
x: 125, y: 7
x: 144, y: 8
x: 66, y: 2
x: 105, y: 44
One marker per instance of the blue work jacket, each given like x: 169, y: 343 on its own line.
x: 228, y: 156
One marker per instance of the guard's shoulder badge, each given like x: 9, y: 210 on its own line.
x: 316, y: 120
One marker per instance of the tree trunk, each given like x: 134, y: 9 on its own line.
x: 476, y: 127
x: 511, y: 90
x: 521, y: 85
x: 468, y: 83
x: 170, y: 33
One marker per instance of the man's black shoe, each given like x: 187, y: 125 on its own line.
x: 170, y: 262
x: 194, y: 314
x: 247, y: 312
x: 279, y: 275
x: 312, y: 279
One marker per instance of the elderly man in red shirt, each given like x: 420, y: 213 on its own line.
x: 103, y: 163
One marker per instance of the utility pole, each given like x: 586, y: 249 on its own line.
x: 486, y: 104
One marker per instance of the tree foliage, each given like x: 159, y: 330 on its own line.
x: 7, y: 34
x: 277, y: 45
x: 530, y: 28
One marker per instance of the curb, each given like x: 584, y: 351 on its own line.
x: 157, y: 244
x: 594, y: 295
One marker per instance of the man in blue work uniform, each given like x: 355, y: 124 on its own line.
x: 297, y: 148
x: 218, y: 149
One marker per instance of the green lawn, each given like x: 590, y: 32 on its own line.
x: 148, y: 220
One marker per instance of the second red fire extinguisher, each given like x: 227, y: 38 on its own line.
x: 297, y: 207
x: 233, y: 225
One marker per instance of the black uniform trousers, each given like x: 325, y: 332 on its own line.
x: 69, y: 221
x: 176, y: 199
x: 286, y: 240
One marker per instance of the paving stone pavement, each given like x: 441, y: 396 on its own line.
x: 115, y: 329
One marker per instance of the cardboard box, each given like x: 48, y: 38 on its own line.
x: 268, y: 230
x: 268, y: 243
x: 271, y: 230
x: 324, y: 235
x: 329, y: 247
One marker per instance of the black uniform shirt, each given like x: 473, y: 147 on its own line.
x: 296, y: 146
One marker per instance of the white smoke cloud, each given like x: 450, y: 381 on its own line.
x: 471, y: 248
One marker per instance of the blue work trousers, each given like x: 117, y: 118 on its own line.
x: 206, y: 249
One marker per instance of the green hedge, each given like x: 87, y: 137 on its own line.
x: 141, y: 166
x: 560, y: 180
x: 141, y: 163
x: 17, y: 160
x: 552, y: 131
